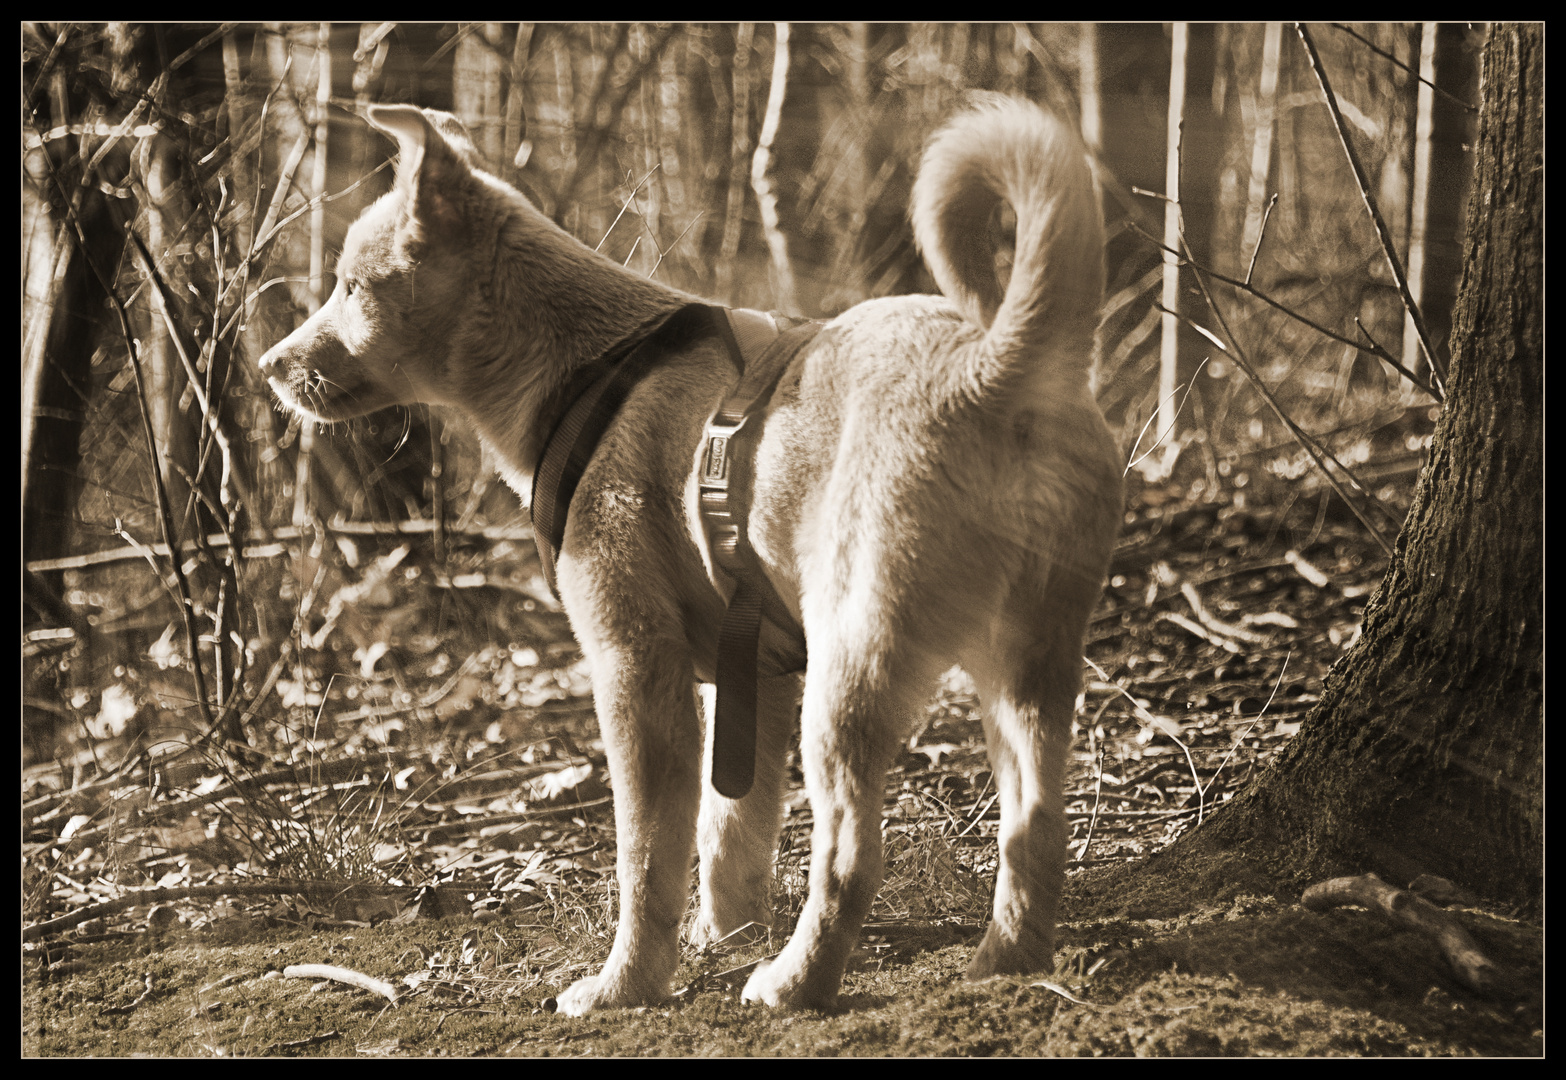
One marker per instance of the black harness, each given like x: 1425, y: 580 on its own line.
x: 725, y: 485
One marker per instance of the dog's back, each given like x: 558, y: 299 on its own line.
x: 976, y: 408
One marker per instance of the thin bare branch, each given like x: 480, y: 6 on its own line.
x: 1250, y: 290
x: 1382, y: 233
x: 1453, y: 98
x: 1308, y: 443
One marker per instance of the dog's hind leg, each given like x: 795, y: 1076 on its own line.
x: 1028, y: 680
x: 647, y: 714
x: 737, y: 839
x: 859, y: 706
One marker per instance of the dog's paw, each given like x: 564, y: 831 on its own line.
x: 760, y: 987
x: 580, y: 998
x: 593, y: 992
x: 770, y: 985
x: 706, y: 933
x: 997, y: 955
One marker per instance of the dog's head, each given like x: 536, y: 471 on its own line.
x: 407, y: 282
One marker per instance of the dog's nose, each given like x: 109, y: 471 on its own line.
x: 270, y: 362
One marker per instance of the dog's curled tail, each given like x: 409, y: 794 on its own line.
x: 1040, y: 326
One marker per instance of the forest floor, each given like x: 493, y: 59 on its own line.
x: 439, y: 824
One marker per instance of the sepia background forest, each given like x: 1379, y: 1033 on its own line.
x: 280, y: 678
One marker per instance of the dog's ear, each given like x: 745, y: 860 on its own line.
x: 433, y: 167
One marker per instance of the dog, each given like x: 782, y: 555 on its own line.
x: 935, y: 485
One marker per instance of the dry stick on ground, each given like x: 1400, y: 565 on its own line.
x: 267, y: 544
x: 1475, y: 970
x: 343, y: 975
x: 136, y: 897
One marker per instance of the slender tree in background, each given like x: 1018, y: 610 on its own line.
x: 1425, y: 754
x: 1169, y: 355
x: 762, y: 180
x: 1419, y: 213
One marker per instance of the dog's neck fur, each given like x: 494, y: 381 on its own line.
x: 551, y: 306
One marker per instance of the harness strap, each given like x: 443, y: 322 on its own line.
x: 596, y: 395
x: 726, y: 487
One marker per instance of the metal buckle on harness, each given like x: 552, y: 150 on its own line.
x: 713, y: 492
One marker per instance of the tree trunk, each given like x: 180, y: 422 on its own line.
x: 1425, y: 754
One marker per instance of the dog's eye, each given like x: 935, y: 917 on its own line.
x: 350, y: 286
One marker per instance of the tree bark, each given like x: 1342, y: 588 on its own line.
x: 1425, y: 754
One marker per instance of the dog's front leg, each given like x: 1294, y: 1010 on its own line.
x: 647, y: 714
x: 738, y: 838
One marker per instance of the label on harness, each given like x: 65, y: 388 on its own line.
x: 715, y: 468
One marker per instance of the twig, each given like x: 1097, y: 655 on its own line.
x: 47, y: 67
x: 739, y: 149
x: 1306, y: 441
x: 300, y: 1044
x: 368, y: 43
x: 1200, y: 631
x: 1251, y: 290
x: 256, y: 248
x: 588, y: 148
x: 1306, y: 569
x: 1265, y: 107
x: 1098, y: 792
x: 1453, y: 98
x: 1056, y: 988
x: 1266, y: 216
x: 1472, y: 968
x: 626, y: 205
x: 1300, y: 434
x: 267, y: 545
x: 190, y: 54
x: 1382, y: 233
x: 699, y: 215
x: 1254, y: 721
x: 1215, y: 624
x: 980, y: 815
x: 1174, y: 227
x: 1164, y: 725
x: 1188, y: 387
x: 174, y: 323
x: 761, y: 172
x: 343, y: 975
x: 121, y: 1010
x: 189, y: 892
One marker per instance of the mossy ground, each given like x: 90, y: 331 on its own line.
x: 1257, y: 977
